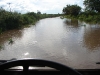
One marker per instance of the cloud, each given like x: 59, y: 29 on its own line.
x: 48, y: 6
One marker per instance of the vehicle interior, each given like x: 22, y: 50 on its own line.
x: 49, y: 37
x: 53, y: 68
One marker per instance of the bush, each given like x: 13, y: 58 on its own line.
x: 14, y: 20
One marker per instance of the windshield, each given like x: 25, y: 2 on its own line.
x: 65, y: 31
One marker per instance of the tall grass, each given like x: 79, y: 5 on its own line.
x: 90, y: 18
x: 14, y: 20
x: 1, y: 47
x: 87, y: 17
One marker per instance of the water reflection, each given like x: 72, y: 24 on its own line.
x: 73, y: 23
x: 92, y: 37
x: 89, y: 33
x: 55, y: 39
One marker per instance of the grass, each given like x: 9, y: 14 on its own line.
x: 11, y: 41
x: 93, y: 19
x: 1, y: 47
x: 62, y: 17
x: 15, y: 20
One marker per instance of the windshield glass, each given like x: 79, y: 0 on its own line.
x: 65, y: 31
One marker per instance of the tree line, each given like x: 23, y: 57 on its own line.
x: 14, y: 20
x: 91, y: 13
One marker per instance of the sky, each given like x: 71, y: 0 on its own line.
x: 44, y: 6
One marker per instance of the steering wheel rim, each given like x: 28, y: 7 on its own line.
x: 37, y: 62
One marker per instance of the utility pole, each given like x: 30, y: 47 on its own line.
x: 9, y: 6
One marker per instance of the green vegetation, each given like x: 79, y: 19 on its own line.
x: 91, y: 14
x: 14, y: 20
x: 1, y: 47
x: 62, y: 17
x: 92, y: 5
x: 72, y: 10
x: 90, y: 17
x: 11, y: 41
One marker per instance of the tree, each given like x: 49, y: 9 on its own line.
x: 72, y: 10
x: 92, y: 5
x: 38, y: 12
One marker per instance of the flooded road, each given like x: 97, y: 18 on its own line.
x: 66, y: 41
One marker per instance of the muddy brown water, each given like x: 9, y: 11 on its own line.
x: 70, y: 42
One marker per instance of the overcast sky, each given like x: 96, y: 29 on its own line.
x: 45, y: 6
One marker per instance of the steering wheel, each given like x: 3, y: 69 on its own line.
x: 37, y: 62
